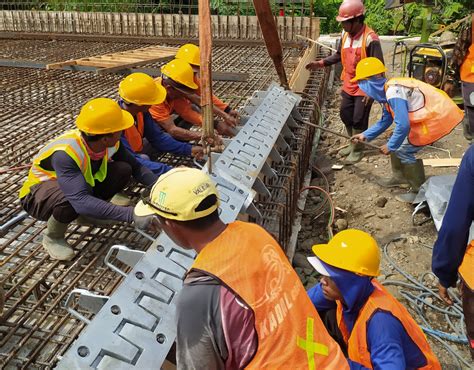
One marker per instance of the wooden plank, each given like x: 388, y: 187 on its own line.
x: 442, y: 162
x: 60, y: 65
x: 130, y: 65
x: 300, y: 76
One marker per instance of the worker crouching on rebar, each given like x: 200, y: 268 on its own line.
x: 78, y: 173
x: 358, y: 41
x: 145, y: 138
x: 453, y: 252
x: 191, y: 53
x: 178, y: 79
x: 242, y: 305
x: 422, y: 114
x: 375, y: 330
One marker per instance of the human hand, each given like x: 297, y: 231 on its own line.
x: 235, y: 114
x: 444, y: 294
x: 224, y: 129
x: 315, y: 64
x: 144, y: 222
x: 197, y: 152
x: 384, y: 149
x: 231, y: 120
x: 357, y: 138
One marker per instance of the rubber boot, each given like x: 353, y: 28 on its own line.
x: 120, y: 199
x: 397, y: 178
x: 357, y: 151
x: 54, y: 240
x: 415, y: 174
x: 347, y: 150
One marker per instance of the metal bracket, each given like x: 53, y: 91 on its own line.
x: 124, y: 254
x: 90, y: 301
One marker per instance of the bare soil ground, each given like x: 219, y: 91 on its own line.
x: 362, y: 204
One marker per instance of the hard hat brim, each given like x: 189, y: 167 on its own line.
x: 127, y: 121
x: 160, y: 95
x: 318, y: 266
x: 141, y: 210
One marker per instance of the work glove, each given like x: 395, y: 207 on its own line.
x: 315, y: 64
x: 145, y: 223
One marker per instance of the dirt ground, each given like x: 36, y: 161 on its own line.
x: 362, y: 204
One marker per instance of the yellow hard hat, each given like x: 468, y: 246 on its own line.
x: 181, y: 72
x: 103, y: 116
x: 141, y: 89
x: 177, y: 194
x: 368, y: 67
x: 189, y: 53
x: 352, y: 250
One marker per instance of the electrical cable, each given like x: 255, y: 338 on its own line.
x: 422, y: 298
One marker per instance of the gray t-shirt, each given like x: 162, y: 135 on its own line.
x: 215, y: 329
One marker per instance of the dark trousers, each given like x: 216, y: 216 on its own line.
x: 354, y: 113
x: 468, y: 123
x: 46, y: 198
x: 329, y: 320
x: 468, y: 310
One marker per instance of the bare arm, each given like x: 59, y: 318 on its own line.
x: 177, y: 132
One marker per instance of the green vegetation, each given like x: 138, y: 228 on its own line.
x: 402, y: 20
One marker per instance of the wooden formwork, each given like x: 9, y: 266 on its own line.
x: 147, y: 24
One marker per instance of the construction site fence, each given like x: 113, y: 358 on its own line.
x: 232, y: 19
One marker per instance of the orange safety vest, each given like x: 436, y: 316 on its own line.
x: 466, y: 270
x: 349, y: 59
x: 134, y: 134
x: 381, y: 300
x: 431, y: 112
x: 467, y: 67
x: 247, y: 260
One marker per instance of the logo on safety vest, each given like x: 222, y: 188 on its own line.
x: 309, y: 346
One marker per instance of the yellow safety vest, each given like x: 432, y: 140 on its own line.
x: 71, y: 143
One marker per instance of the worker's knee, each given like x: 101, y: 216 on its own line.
x: 64, y: 213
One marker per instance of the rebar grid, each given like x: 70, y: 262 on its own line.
x: 37, y: 105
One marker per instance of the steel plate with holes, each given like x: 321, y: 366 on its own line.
x: 135, y: 326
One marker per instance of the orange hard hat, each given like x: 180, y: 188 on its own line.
x: 350, y: 9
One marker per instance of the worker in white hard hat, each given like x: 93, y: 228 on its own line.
x: 145, y: 138
x: 377, y: 330
x: 358, y: 41
x: 80, y: 172
x: 241, y: 305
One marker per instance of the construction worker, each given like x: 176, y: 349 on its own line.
x: 79, y: 171
x: 358, y: 41
x: 242, y: 304
x: 145, y: 138
x: 461, y: 66
x: 378, y: 331
x: 178, y: 79
x: 191, y: 53
x: 422, y: 114
x: 453, y: 252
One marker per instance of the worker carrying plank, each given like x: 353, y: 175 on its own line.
x: 358, y: 41
x: 453, y: 252
x: 461, y: 66
x: 178, y: 79
x: 80, y: 172
x: 422, y: 114
x: 145, y: 138
x: 375, y: 329
x: 242, y: 305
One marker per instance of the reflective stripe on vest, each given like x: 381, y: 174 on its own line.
x: 466, y: 270
x: 247, y: 260
x: 381, y: 300
x: 431, y: 111
x: 70, y: 143
x: 134, y: 134
x: 363, y: 51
